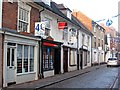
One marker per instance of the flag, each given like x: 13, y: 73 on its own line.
x: 109, y: 22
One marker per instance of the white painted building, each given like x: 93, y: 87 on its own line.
x: 85, y: 48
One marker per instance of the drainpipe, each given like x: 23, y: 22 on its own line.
x: 40, y: 66
x: 78, y: 49
x: 1, y: 6
x: 3, y: 36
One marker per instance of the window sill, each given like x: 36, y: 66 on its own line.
x: 19, y: 74
x: 25, y: 33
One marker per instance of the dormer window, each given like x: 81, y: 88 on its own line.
x: 69, y: 14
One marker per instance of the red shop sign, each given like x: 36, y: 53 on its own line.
x: 49, y: 44
x: 62, y: 25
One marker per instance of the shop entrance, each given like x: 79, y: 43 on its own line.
x: 57, y: 60
x: 65, y: 59
x: 10, y: 65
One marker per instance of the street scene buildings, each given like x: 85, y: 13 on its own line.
x: 42, y: 39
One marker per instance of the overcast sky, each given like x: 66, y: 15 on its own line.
x: 95, y: 9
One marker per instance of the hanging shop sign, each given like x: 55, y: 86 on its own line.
x: 62, y: 25
x: 39, y: 29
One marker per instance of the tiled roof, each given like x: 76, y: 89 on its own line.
x: 83, y: 19
x: 53, y: 8
x: 109, y: 30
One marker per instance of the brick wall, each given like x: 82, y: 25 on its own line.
x: 10, y: 14
x: 34, y: 17
x: 1, y: 60
x: 10, y: 11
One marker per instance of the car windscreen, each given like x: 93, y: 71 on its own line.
x: 112, y: 59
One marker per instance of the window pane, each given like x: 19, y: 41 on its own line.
x: 24, y: 15
x: 12, y: 61
x: 8, y: 57
x: 23, y: 20
x: 25, y: 59
x: 19, y: 59
x: 48, y: 57
x: 24, y: 27
x: 19, y: 13
x: 51, y: 58
x: 72, y: 57
x: 31, y: 58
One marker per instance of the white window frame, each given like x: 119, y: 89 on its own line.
x: 47, y: 20
x: 73, y: 57
x: 95, y: 27
x: 65, y: 34
x: 28, y: 59
x: 95, y: 39
x: 83, y: 39
x: 24, y: 6
x: 88, y: 40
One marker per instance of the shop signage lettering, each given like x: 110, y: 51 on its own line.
x: 39, y: 29
x: 62, y: 25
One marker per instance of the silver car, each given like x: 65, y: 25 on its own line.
x: 113, y: 62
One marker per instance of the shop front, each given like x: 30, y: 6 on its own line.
x: 84, y: 57
x: 51, y: 58
x: 20, y: 59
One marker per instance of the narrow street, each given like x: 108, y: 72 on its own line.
x: 99, y: 78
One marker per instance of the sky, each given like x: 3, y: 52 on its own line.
x: 95, y: 9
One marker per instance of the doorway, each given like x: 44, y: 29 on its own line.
x: 65, y: 59
x: 57, y: 63
x: 10, y: 65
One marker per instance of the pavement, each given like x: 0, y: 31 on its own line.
x: 41, y: 83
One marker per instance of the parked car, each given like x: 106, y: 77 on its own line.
x: 113, y: 62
